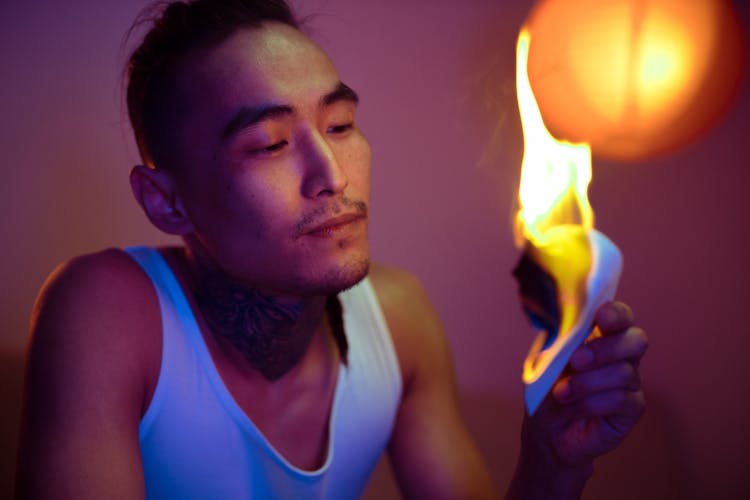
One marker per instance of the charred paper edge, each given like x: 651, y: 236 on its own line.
x: 601, y: 286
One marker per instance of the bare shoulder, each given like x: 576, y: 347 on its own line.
x: 94, y: 316
x: 93, y: 357
x: 414, y: 324
x: 393, y: 285
x: 97, y: 278
x: 404, y: 301
x: 432, y: 454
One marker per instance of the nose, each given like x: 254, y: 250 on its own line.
x: 323, y: 176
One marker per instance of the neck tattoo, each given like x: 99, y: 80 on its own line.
x: 271, y: 334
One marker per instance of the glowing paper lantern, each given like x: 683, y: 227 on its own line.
x: 633, y: 78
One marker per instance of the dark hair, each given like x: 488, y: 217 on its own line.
x: 177, y: 30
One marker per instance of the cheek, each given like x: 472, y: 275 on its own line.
x: 263, y: 201
x: 359, y: 161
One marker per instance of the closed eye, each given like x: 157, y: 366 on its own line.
x: 277, y: 146
x: 340, y: 129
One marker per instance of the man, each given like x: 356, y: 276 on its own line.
x: 267, y: 357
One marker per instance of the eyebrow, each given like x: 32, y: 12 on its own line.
x: 342, y: 92
x: 249, y: 116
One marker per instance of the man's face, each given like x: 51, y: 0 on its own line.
x: 274, y: 172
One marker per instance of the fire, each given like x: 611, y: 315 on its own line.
x: 554, y: 216
x: 555, y: 175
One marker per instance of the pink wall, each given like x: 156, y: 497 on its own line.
x: 438, y: 106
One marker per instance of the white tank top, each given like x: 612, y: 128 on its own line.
x: 196, y: 442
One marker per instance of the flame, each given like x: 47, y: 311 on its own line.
x: 554, y: 214
x: 554, y: 174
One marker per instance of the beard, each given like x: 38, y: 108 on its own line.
x: 331, y: 281
x: 347, y: 276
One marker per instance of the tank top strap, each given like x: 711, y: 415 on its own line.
x: 180, y: 334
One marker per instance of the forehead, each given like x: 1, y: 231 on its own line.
x: 274, y: 62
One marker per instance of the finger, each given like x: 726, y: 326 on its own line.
x: 618, y: 402
x: 613, y: 317
x: 552, y: 414
x: 629, y: 345
x: 578, y: 386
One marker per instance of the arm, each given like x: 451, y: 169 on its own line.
x: 431, y: 451
x: 87, y: 379
x: 590, y: 410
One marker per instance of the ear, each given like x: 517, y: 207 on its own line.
x: 156, y: 193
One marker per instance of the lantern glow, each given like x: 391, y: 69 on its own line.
x: 633, y: 78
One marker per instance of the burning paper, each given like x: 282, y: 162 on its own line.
x: 567, y: 269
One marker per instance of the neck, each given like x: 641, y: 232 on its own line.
x: 271, y: 332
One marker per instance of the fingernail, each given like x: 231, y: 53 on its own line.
x: 561, y: 391
x: 582, y: 358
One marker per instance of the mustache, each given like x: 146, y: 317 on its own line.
x: 325, y: 212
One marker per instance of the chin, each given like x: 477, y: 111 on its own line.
x: 333, y: 279
x: 344, y: 277
x: 351, y: 275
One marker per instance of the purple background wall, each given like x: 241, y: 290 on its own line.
x: 438, y: 106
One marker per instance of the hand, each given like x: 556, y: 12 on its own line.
x: 598, y: 399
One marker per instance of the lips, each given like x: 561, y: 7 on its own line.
x: 334, y: 225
